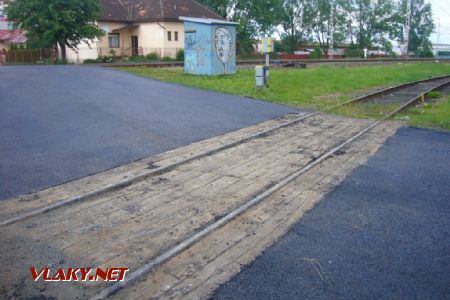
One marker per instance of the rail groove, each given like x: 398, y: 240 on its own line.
x: 129, y: 181
x: 154, y: 263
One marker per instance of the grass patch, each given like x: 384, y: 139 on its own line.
x: 366, y: 110
x: 316, y: 88
x: 431, y: 115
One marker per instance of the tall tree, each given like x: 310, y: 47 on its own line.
x: 51, y: 22
x: 374, y: 19
x: 292, y: 24
x: 255, y: 18
x: 325, y: 19
x: 220, y: 7
x: 421, y: 26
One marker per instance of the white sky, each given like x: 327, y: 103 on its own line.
x: 441, y: 11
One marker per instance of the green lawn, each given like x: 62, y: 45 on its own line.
x: 316, y: 88
x: 302, y: 87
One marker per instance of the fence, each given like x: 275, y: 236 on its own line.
x: 138, y: 51
x: 50, y: 56
x: 29, y: 56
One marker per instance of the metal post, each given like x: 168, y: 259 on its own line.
x: 407, y: 26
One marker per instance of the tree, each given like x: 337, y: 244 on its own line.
x: 421, y: 27
x: 51, y: 22
x: 220, y: 7
x: 254, y: 18
x: 324, y: 19
x: 292, y: 23
x: 374, y: 19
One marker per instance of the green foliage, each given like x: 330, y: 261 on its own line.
x: 107, y: 59
x: 92, y: 61
x: 61, y: 62
x: 354, y: 51
x: 316, y: 54
x: 152, y: 56
x: 421, y: 27
x: 180, y: 55
x: 167, y: 58
x: 137, y: 58
x: 52, y: 22
x: 434, y: 94
x: 325, y: 18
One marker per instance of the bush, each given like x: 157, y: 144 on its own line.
x: 152, y: 56
x: 61, y: 62
x: 137, y: 58
x: 180, y: 55
x: 354, y: 51
x: 106, y: 59
x: 167, y: 58
x: 316, y: 54
x: 91, y: 61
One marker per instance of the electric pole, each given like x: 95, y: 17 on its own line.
x: 331, y: 50
x: 438, y: 31
x: 407, y: 27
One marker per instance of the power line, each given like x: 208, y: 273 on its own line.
x: 441, y: 8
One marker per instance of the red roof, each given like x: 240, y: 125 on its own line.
x: 16, y: 36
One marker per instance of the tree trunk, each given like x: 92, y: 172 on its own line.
x: 63, y: 50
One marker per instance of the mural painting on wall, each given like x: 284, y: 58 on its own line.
x: 223, y: 41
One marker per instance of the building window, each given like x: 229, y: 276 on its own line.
x: 176, y: 36
x: 113, y: 40
x: 169, y: 35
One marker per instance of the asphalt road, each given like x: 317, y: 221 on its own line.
x: 59, y: 123
x: 383, y: 234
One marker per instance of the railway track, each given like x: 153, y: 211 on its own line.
x: 340, y: 136
x: 281, y: 63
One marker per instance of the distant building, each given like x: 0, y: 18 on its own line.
x: 140, y: 27
x: 441, y: 51
x: 8, y: 35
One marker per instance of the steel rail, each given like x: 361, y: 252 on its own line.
x: 131, y: 180
x: 152, y: 264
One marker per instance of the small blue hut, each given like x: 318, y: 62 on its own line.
x: 209, y: 46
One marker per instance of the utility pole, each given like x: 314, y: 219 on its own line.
x: 438, y: 31
x: 331, y: 50
x: 407, y: 27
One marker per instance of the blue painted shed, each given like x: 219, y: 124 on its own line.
x: 209, y: 46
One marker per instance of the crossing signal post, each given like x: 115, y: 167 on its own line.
x: 262, y: 72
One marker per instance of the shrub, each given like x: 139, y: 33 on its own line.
x: 316, y: 54
x: 137, y: 58
x: 354, y: 51
x: 167, y: 58
x: 180, y: 55
x: 61, y: 62
x: 152, y: 56
x: 106, y: 59
x: 92, y: 61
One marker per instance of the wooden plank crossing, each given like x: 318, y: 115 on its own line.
x: 130, y: 226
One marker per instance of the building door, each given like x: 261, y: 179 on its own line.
x: 134, y: 45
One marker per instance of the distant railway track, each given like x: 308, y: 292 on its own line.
x: 282, y: 63
x: 404, y: 95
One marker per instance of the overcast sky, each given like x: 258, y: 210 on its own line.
x: 441, y: 11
